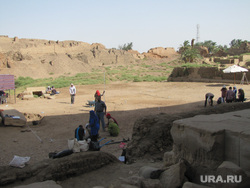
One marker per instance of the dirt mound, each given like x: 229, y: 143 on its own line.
x: 33, y: 118
x: 42, y: 58
x: 57, y: 169
x: 151, y: 136
x: 160, y: 53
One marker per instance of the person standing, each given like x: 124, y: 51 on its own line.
x: 72, y: 91
x: 100, y: 109
x: 230, y: 95
x: 235, y: 90
x: 223, y: 93
x: 94, y: 126
x: 98, y: 95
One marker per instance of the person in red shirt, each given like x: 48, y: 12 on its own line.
x: 111, y: 119
x: 98, y: 95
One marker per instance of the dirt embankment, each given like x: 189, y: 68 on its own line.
x: 42, y: 58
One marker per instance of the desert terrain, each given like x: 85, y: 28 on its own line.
x: 125, y: 101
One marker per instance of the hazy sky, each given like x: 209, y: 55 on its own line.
x: 148, y: 24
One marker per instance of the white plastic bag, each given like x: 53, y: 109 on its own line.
x: 71, y: 143
x: 76, y: 147
x: 19, y: 161
x: 83, y: 145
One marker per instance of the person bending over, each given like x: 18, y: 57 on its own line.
x: 209, y: 98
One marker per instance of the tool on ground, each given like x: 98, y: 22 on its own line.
x: 35, y: 135
x: 95, y: 146
x: 118, y: 142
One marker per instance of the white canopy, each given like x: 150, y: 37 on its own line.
x: 234, y: 69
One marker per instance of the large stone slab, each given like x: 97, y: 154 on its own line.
x: 36, y: 89
x: 49, y: 183
x: 211, y: 139
x: 13, y: 117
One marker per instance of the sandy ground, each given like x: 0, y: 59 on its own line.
x: 125, y: 101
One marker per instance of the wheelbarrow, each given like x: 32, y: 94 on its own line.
x: 95, y: 146
x: 90, y: 103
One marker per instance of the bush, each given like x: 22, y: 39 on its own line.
x: 113, y: 129
x: 126, y: 47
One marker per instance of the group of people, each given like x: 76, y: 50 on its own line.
x: 96, y: 118
x: 230, y: 95
x: 227, y: 95
x: 51, y: 90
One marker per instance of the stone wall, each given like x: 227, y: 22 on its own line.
x: 204, y: 74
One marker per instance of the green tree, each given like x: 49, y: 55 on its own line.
x: 235, y: 43
x: 211, y: 46
x: 190, y: 54
x: 184, y: 46
x: 220, y: 47
x: 126, y: 47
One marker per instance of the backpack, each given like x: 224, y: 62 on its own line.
x: 219, y: 100
x: 94, y: 146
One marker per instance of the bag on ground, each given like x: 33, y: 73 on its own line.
x: 71, y: 143
x: 76, y: 147
x: 83, y: 145
x: 19, y: 161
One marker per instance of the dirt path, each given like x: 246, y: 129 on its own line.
x: 125, y: 101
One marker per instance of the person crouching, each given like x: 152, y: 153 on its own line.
x: 79, y: 133
x: 209, y: 98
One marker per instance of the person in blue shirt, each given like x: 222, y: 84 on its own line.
x: 79, y: 133
x: 94, y: 126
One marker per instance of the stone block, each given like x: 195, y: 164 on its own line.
x: 197, y: 146
x: 233, y: 175
x: 35, y: 89
x: 193, y: 185
x: 169, y: 158
x: 174, y: 176
x: 150, y: 183
x: 49, y: 183
x: 132, y: 180
x: 146, y: 171
x: 209, y: 140
x: 13, y: 117
x: 28, y: 97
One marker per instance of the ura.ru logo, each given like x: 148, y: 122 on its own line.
x: 219, y: 179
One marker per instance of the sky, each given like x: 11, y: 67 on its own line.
x: 145, y: 23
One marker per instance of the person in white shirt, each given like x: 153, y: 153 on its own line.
x: 72, y: 91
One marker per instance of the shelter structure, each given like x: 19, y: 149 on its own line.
x: 235, y: 69
x: 7, y: 82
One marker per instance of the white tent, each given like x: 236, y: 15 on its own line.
x: 234, y: 69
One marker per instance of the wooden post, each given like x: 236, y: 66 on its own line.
x: 234, y: 77
x: 15, y: 94
x: 104, y: 84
